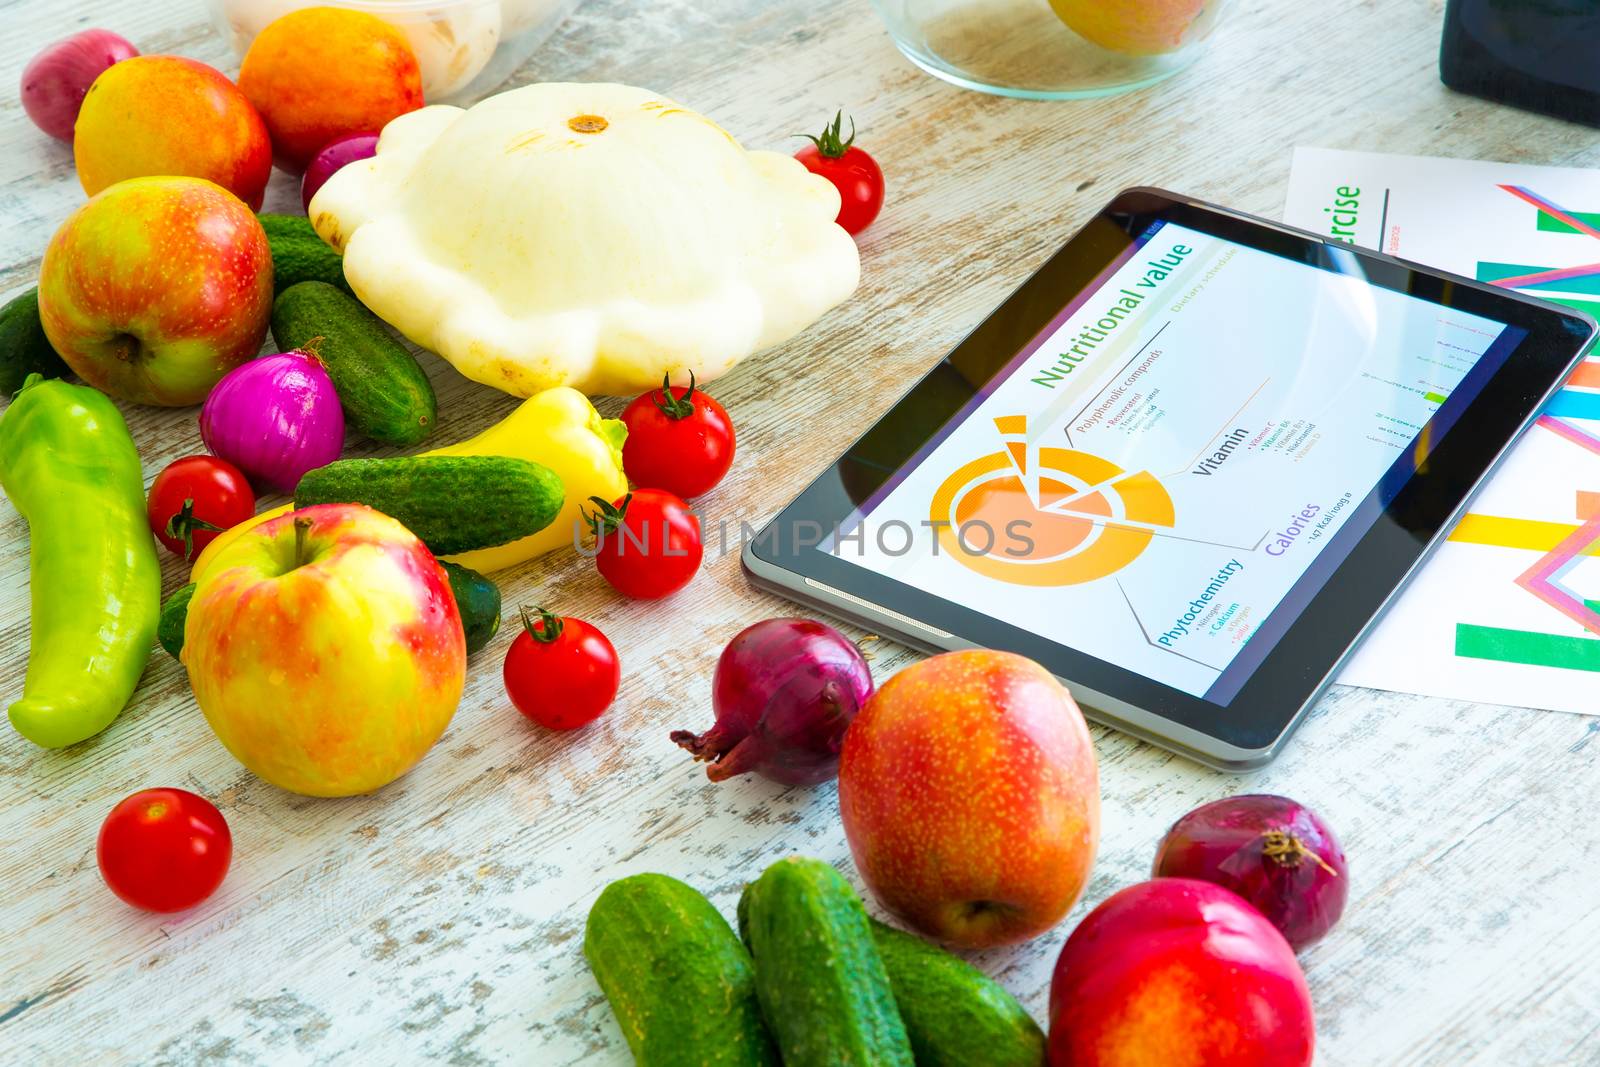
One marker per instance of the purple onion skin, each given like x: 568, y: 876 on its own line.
x: 1277, y: 854
x: 331, y: 158
x: 784, y: 693
x: 56, y: 80
x: 274, y: 418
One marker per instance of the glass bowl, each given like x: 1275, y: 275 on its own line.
x: 1051, y: 49
x: 465, y: 48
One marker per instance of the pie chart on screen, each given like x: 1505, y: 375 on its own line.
x: 1044, y: 516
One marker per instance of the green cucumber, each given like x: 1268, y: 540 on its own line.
x: 824, y: 991
x: 679, y: 982
x: 454, y: 503
x: 24, y: 349
x: 381, y: 387
x: 287, y: 225
x: 174, y: 616
x: 956, y: 1015
x: 299, y: 255
x: 478, y: 601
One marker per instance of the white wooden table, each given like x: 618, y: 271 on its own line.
x: 442, y: 918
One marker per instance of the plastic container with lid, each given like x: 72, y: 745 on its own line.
x: 465, y: 47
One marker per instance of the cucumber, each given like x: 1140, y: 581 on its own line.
x: 299, y: 255
x: 381, y: 386
x: 955, y: 1015
x: 679, y: 982
x: 478, y: 601
x: 278, y: 225
x: 454, y: 503
x: 24, y: 349
x: 174, y: 616
x: 824, y: 991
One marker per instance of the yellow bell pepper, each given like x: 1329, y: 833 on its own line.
x: 558, y: 428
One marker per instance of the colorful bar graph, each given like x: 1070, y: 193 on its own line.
x: 1584, y: 280
x: 1587, y: 376
x: 1560, y: 545
x: 1574, y: 220
x: 1590, y: 307
x: 1545, y: 578
x: 1571, y: 404
x: 1577, y: 435
x: 1526, y: 646
x: 1551, y: 218
x: 1550, y: 224
x: 1532, y: 535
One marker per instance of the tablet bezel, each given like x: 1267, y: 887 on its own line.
x: 1251, y: 728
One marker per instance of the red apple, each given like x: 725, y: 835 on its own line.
x: 971, y: 797
x: 325, y: 649
x: 156, y: 288
x: 1178, y: 971
x: 170, y: 115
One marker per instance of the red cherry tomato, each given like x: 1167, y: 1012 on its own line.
x: 648, y: 543
x: 195, y: 499
x: 680, y: 442
x: 854, y: 173
x: 164, y: 849
x: 561, y: 672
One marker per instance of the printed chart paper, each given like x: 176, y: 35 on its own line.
x: 1508, y: 610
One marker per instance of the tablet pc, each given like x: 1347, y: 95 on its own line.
x: 1184, y: 466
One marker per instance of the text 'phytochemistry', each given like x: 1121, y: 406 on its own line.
x: 1200, y: 604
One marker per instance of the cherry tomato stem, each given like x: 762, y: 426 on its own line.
x: 851, y: 170
x: 680, y: 441
x: 647, y: 545
x: 195, y: 498
x: 561, y: 672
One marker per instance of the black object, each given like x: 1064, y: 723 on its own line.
x: 1542, y: 55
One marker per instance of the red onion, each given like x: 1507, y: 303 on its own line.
x: 275, y: 418
x: 334, y: 155
x: 784, y: 693
x: 1277, y: 854
x: 55, y: 81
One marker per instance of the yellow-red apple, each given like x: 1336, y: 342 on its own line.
x: 325, y: 649
x: 169, y: 115
x: 971, y: 797
x: 156, y: 288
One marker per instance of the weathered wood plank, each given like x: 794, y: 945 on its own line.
x: 442, y: 918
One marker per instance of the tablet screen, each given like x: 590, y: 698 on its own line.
x: 1169, y: 471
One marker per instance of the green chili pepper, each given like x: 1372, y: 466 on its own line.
x: 70, y: 468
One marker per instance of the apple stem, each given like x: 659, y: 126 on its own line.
x: 301, y: 527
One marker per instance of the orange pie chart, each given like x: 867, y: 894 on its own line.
x: 1091, y: 518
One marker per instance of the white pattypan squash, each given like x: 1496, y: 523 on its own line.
x: 594, y: 236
